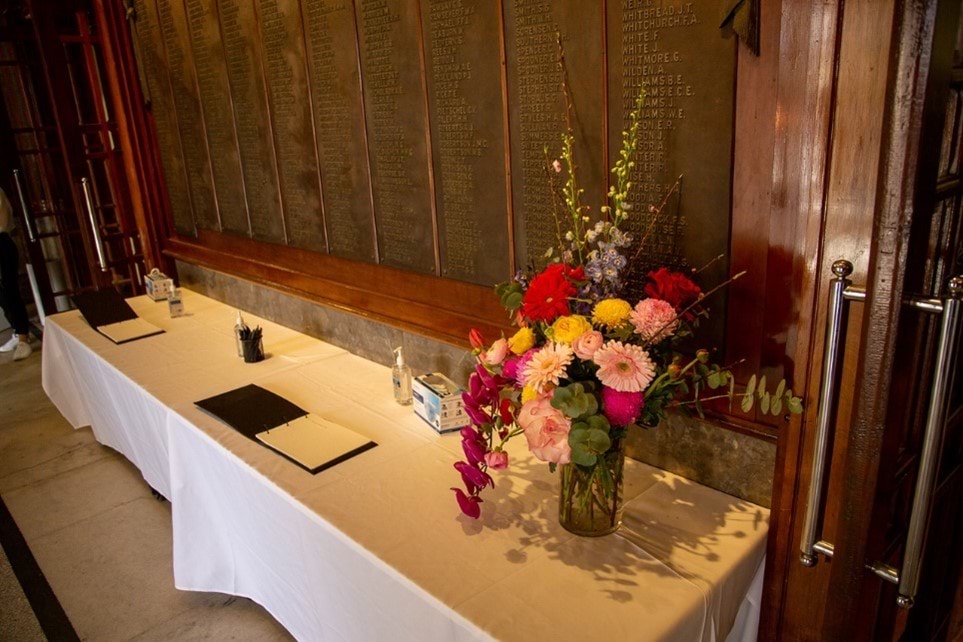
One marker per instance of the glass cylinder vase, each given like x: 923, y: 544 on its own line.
x: 590, y: 498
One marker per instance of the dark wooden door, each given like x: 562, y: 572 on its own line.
x: 70, y: 186
x: 904, y: 447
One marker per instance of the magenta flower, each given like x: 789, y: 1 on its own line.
x: 473, y: 476
x: 510, y: 367
x: 469, y: 504
x: 474, y: 451
x: 621, y: 408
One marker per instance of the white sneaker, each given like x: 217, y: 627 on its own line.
x: 21, y: 351
x: 11, y: 344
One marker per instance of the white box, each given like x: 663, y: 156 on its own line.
x: 437, y: 400
x: 158, y: 285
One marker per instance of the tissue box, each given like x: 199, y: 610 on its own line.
x: 158, y: 285
x: 437, y: 400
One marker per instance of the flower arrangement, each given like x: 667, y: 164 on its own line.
x: 586, y: 363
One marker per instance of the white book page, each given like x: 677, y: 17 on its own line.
x: 312, y: 441
x: 128, y: 330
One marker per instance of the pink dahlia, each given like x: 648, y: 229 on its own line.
x: 621, y: 408
x: 547, y: 366
x: 624, y: 367
x: 654, y: 320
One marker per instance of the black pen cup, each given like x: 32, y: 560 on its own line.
x: 253, y: 350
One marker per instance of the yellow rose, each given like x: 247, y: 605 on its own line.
x: 611, y: 312
x: 522, y: 341
x: 528, y: 393
x: 568, y: 329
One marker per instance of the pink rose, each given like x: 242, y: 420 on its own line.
x: 586, y: 344
x: 496, y: 354
x: 546, y: 430
x: 497, y: 460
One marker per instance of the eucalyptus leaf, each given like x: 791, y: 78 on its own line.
x: 761, y: 390
x: 751, y: 386
x: 781, y: 388
x: 714, y: 380
x: 747, y: 401
x: 764, y: 403
x: 776, y: 406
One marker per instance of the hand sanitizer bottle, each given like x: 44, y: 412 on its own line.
x: 239, y: 325
x: 401, y: 378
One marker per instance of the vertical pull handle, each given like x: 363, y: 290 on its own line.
x: 95, y: 228
x: 22, y: 195
x: 810, y: 544
x: 909, y: 576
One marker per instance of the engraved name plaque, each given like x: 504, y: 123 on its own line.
x: 286, y: 73
x: 389, y: 36
x: 339, y: 126
x: 467, y: 136
x: 212, y: 83
x: 154, y: 65
x: 255, y: 143
x: 538, y: 107
x: 677, y: 51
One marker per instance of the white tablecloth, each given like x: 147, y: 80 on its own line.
x: 374, y: 548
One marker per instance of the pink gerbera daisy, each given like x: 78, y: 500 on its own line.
x: 624, y: 367
x: 547, y: 366
x: 654, y: 320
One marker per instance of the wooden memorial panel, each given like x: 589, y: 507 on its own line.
x: 339, y: 126
x: 239, y: 31
x: 466, y: 112
x: 286, y: 75
x: 677, y: 51
x: 211, y: 67
x: 391, y: 68
x: 183, y: 85
x: 537, y: 111
x: 153, y: 63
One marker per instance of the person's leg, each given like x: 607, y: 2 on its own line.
x: 12, y: 303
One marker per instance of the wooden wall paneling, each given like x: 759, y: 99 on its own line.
x: 436, y: 307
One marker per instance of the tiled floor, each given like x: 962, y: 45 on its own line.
x: 101, y: 539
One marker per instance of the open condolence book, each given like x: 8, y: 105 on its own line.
x: 307, y: 440
x: 109, y: 314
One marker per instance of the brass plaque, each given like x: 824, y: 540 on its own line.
x: 151, y: 54
x: 678, y: 52
x: 286, y: 74
x: 339, y: 126
x: 239, y: 30
x: 463, y: 53
x: 215, y: 92
x: 538, y: 111
x: 180, y: 67
x: 396, y: 119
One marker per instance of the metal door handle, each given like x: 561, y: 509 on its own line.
x: 21, y: 193
x: 95, y: 229
x: 909, y: 577
x: 840, y: 291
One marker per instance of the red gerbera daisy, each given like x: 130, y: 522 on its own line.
x: 547, y: 296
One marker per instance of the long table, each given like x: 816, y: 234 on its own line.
x: 375, y: 548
